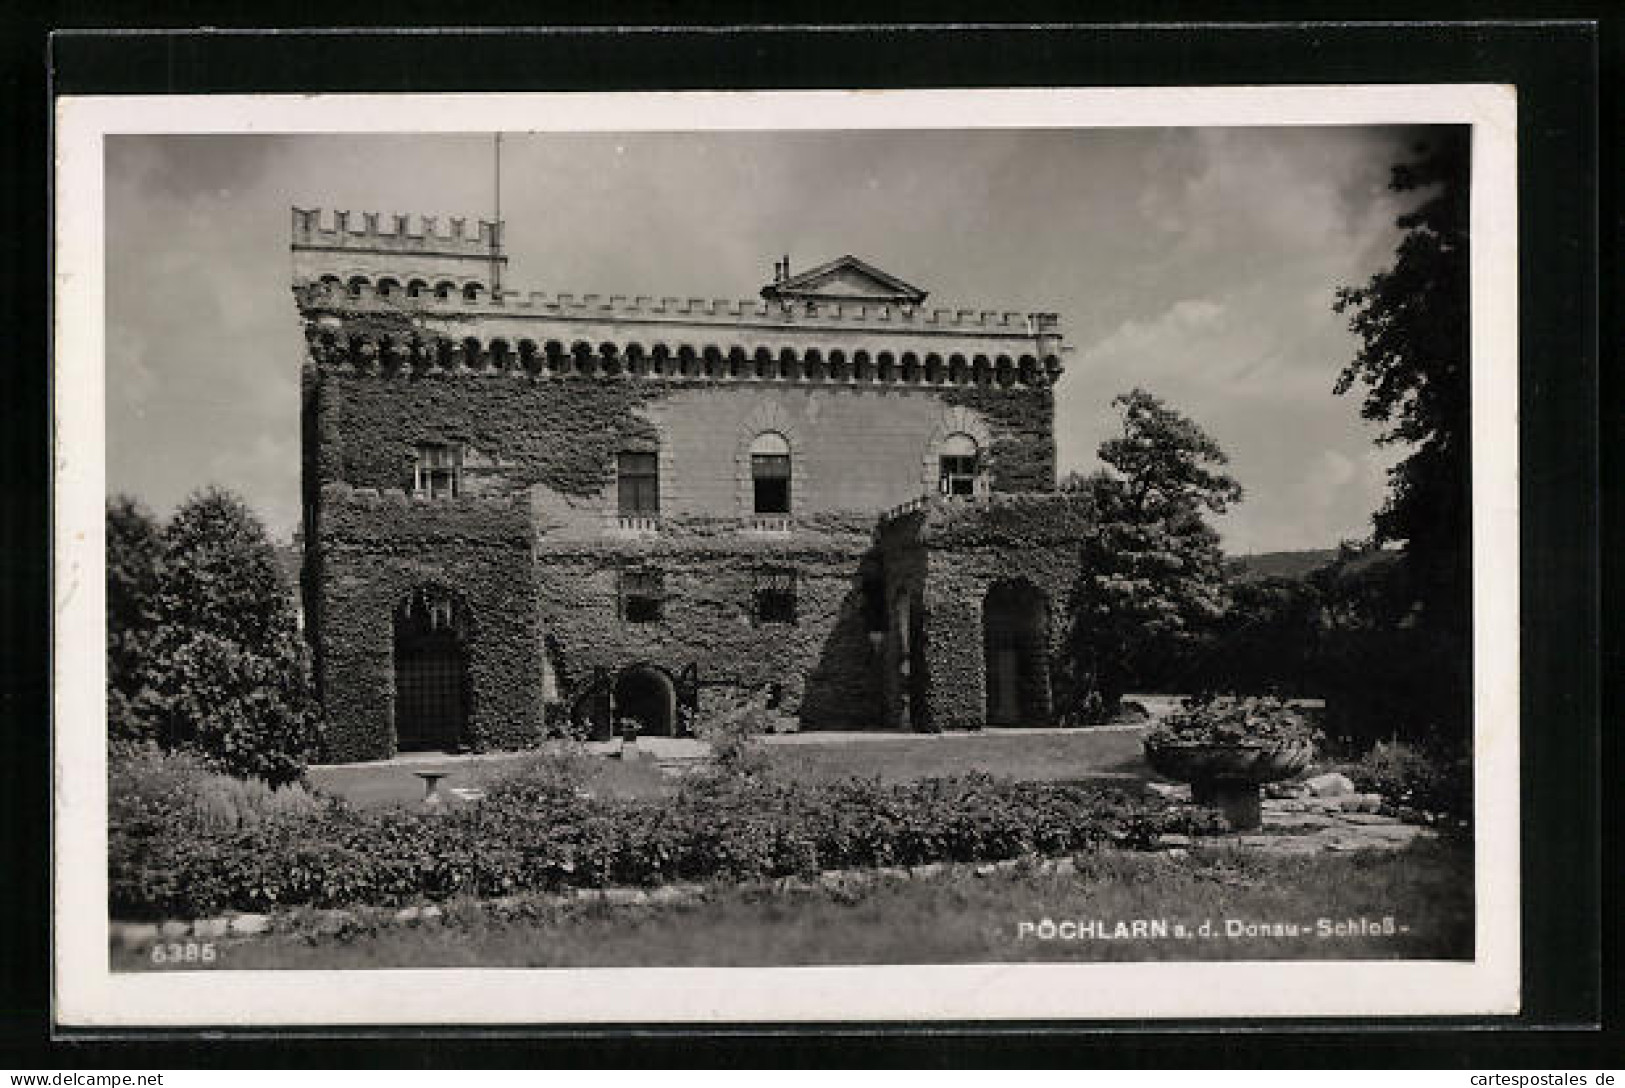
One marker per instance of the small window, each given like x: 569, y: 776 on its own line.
x: 959, y: 464
x: 774, y: 597
x: 638, y: 484
x: 439, y: 471
x: 643, y: 596
x: 770, y: 473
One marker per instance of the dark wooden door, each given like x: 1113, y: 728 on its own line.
x: 431, y: 694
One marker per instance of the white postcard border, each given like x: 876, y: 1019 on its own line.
x: 88, y: 994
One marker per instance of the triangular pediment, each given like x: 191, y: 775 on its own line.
x: 845, y: 279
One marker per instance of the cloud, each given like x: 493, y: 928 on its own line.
x: 1197, y: 263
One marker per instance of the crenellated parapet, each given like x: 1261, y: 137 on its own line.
x: 332, y: 293
x: 390, y: 299
x: 395, y: 233
x: 400, y: 252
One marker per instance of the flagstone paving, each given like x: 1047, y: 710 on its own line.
x: 1311, y: 825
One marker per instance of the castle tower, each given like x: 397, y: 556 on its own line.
x: 421, y: 263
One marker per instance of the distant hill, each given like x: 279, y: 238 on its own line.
x: 1252, y: 568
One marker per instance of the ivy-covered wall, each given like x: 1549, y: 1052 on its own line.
x: 1023, y: 423
x: 374, y: 552
x: 953, y: 553
x: 528, y: 551
x: 859, y: 447
x: 561, y: 433
x: 821, y: 665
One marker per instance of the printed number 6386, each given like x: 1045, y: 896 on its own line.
x: 184, y: 952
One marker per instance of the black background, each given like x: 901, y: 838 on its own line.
x: 1567, y: 75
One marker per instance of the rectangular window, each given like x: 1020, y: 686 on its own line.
x: 643, y: 596
x: 774, y: 596
x: 638, y: 483
x: 438, y: 473
x: 958, y: 475
x: 770, y: 473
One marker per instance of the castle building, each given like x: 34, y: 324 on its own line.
x: 525, y: 510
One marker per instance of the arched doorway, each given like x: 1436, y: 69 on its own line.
x: 647, y: 695
x: 431, y: 672
x: 1015, y: 633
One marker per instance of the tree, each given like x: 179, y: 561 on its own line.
x: 1413, y: 323
x: 234, y: 678
x: 134, y: 555
x: 1151, y: 577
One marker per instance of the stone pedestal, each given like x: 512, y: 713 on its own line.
x: 1240, y: 801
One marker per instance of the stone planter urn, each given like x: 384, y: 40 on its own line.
x: 1228, y: 776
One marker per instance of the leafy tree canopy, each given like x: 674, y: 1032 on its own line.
x: 1151, y: 576
x: 1413, y: 323
x: 1167, y: 464
x: 134, y: 557
x: 202, y: 612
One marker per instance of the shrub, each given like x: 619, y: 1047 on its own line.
x: 558, y: 770
x: 1427, y: 778
x: 532, y: 833
x: 224, y: 801
x: 1207, y: 719
x: 231, y: 671
x: 731, y: 734
x: 148, y: 787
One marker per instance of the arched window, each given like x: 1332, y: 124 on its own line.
x: 958, y: 464
x: 471, y: 291
x: 770, y: 473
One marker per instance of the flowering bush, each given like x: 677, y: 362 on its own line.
x: 1255, y: 721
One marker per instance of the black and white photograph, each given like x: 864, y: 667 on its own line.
x: 788, y: 556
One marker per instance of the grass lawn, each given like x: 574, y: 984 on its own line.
x: 1065, y: 756
x: 383, y: 785
x: 962, y: 918
x: 1083, y: 754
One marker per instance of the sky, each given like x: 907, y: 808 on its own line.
x: 1199, y: 264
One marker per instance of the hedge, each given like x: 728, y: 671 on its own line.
x: 530, y: 837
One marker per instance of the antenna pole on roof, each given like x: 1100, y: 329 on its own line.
x: 496, y: 227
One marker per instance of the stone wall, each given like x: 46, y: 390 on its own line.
x: 854, y: 449
x: 952, y: 554
x: 533, y: 548
x: 822, y: 663
x: 374, y: 552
